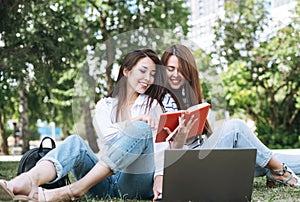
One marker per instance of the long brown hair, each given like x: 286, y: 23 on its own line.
x: 190, y: 93
x: 155, y: 91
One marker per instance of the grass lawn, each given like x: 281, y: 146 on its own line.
x: 260, y: 191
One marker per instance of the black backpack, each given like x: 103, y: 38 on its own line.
x: 32, y: 156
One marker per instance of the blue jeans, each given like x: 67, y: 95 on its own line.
x: 130, y: 157
x: 236, y: 134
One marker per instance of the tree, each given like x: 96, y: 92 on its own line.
x: 44, y: 41
x: 117, y: 17
x: 261, y: 71
x: 240, y: 30
x: 37, y: 37
x: 6, y: 107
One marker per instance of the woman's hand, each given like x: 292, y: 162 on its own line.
x: 181, y: 135
x: 157, y: 186
x: 146, y: 118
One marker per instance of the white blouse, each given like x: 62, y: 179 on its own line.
x: 108, y: 129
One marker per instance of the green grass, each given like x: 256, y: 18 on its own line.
x: 260, y: 191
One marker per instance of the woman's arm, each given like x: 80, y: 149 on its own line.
x: 157, y: 186
x: 103, y: 120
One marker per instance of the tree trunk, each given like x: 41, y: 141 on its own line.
x: 89, y: 128
x: 24, y: 123
x: 110, y: 55
x: 4, y: 144
x: 65, y: 131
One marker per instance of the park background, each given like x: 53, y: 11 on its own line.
x: 57, y: 58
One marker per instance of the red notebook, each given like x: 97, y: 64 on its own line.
x: 170, y: 120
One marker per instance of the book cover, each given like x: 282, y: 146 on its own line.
x: 170, y: 120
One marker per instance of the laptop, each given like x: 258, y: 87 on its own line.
x: 208, y: 175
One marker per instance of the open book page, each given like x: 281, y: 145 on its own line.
x: 170, y: 120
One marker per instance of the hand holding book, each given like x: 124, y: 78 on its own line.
x: 181, y: 121
x: 179, y: 135
x: 194, y: 117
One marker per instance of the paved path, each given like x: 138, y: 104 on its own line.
x: 288, y: 151
x: 10, y: 158
x: 18, y: 157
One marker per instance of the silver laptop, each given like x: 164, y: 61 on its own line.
x: 208, y: 175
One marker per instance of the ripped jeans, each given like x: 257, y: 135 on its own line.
x: 236, y: 134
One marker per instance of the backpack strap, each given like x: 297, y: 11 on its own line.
x: 41, y: 148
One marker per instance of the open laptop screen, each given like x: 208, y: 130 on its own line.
x: 209, y: 175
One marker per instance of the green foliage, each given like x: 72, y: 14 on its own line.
x: 211, y: 82
x: 261, y: 72
x: 48, y: 44
x: 240, y: 95
x: 9, y: 132
x: 41, y: 41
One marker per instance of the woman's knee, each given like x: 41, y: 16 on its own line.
x: 73, y: 140
x: 237, y: 122
x: 139, y: 129
x: 237, y: 128
x: 234, y: 125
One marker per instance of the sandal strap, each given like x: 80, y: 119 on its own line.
x: 6, y: 190
x: 34, y: 187
x: 270, y: 176
x: 70, y: 193
x: 41, y: 194
x: 281, y: 171
x: 8, y: 185
x: 288, y: 179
